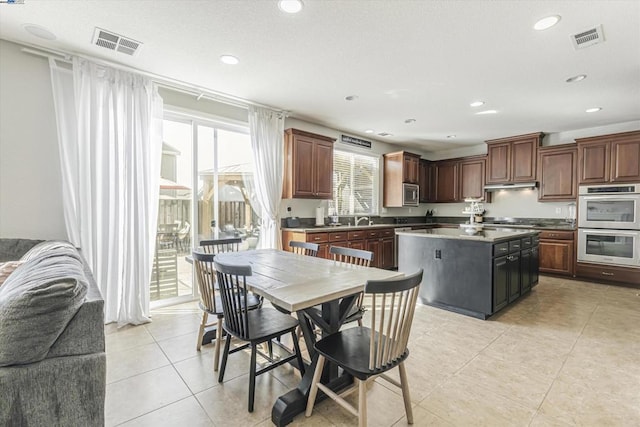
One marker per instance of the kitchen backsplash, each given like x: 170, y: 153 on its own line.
x: 511, y: 203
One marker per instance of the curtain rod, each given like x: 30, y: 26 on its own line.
x: 166, y: 82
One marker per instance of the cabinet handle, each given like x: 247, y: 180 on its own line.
x: 503, y: 249
x: 604, y: 273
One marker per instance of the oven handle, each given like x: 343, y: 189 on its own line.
x: 611, y: 231
x: 611, y: 198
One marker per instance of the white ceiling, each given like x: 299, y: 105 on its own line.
x: 425, y: 60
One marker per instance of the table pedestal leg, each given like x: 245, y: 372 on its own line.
x: 295, y: 401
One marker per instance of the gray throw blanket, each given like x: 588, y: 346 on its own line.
x: 37, y: 302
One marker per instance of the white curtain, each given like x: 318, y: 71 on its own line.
x: 267, y: 142
x: 110, y: 138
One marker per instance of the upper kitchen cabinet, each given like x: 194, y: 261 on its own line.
x: 609, y: 158
x: 308, y: 172
x: 557, y: 167
x: 402, y: 166
x: 424, y: 181
x: 445, y: 185
x: 454, y: 180
x: 472, y: 176
x: 512, y: 159
x: 399, y: 168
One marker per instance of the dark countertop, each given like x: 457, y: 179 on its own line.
x: 490, y: 236
x: 324, y: 229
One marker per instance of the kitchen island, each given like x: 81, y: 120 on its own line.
x: 472, y: 274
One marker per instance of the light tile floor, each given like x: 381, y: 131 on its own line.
x: 566, y: 354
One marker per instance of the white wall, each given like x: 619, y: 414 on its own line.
x: 30, y: 178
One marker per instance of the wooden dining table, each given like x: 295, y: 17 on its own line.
x: 298, y: 283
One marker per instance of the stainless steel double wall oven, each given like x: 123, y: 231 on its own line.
x: 609, y: 224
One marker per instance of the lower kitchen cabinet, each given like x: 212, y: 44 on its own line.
x: 380, y: 241
x: 557, y: 252
x: 500, y: 283
x: 608, y: 273
x: 525, y: 270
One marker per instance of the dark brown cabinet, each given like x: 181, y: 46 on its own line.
x: 557, y: 167
x: 445, y: 185
x: 381, y: 243
x: 410, y: 170
x: 608, y: 273
x: 512, y: 159
x: 399, y: 168
x: 308, y: 165
x: 424, y: 181
x: 472, y: 176
x: 609, y: 158
x: 454, y: 180
x: 557, y: 252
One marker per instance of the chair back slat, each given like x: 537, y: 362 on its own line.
x: 219, y: 246
x: 232, y: 280
x: 206, y: 279
x: 391, y: 320
x: 351, y: 256
x: 304, y: 248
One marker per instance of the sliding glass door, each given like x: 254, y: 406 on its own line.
x: 205, y: 192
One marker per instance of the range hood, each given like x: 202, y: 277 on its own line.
x: 511, y: 186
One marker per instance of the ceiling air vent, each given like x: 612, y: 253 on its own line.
x: 588, y: 38
x: 113, y: 41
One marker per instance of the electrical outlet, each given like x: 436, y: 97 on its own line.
x: 288, y: 208
x: 438, y: 254
x: 559, y: 211
x: 435, y: 210
x: 410, y: 210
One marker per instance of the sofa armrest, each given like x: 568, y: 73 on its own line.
x: 13, y: 249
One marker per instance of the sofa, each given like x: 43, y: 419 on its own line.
x: 52, y: 346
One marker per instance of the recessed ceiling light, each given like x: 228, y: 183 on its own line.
x: 351, y: 98
x: 229, y: 59
x: 547, y: 22
x: 369, y: 131
x: 593, y: 110
x: 410, y: 121
x: 451, y: 136
x: 577, y: 78
x: 487, y: 112
x: 39, y: 31
x: 476, y: 103
x: 290, y: 6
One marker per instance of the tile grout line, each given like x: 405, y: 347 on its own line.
x: 564, y: 362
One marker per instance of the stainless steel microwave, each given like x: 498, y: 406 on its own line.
x: 410, y: 195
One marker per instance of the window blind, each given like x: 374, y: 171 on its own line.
x: 355, y: 183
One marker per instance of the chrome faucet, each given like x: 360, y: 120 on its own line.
x: 357, y: 220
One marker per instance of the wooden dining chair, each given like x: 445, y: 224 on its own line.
x: 369, y: 352
x: 218, y: 246
x: 304, y: 248
x: 252, y: 326
x: 210, y: 302
x: 356, y: 257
